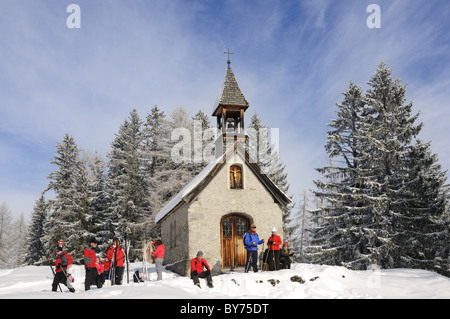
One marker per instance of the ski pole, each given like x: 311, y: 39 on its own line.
x: 126, y: 258
x: 273, y: 260
x: 267, y: 257
x: 247, y: 264
x: 261, y: 260
x: 112, y: 269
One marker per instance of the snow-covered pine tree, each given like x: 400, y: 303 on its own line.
x: 422, y: 224
x: 170, y: 154
x: 385, y: 209
x: 18, y: 241
x: 84, y: 226
x: 262, y: 152
x: 35, y: 252
x: 203, y: 142
x: 257, y: 132
x: 63, y: 183
x: 180, y: 169
x: 99, y: 201
x: 156, y: 136
x: 5, y: 227
x: 388, y: 130
x: 126, y: 183
x: 300, y: 237
x: 339, y: 235
x: 157, y: 148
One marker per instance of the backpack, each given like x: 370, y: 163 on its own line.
x: 245, y: 236
x: 69, y: 264
x: 137, y: 277
x: 69, y: 260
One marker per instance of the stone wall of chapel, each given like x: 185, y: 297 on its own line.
x: 175, y: 236
x: 217, y: 200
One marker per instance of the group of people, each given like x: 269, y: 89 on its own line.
x: 274, y: 257
x: 112, y: 267
x: 96, y: 270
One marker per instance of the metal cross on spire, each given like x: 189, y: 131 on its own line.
x: 228, y: 52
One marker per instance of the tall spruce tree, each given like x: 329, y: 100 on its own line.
x: 422, y: 227
x: 62, y: 182
x: 84, y: 226
x: 35, y: 252
x: 126, y: 183
x: 203, y: 142
x: 389, y: 131
x: 181, y: 164
x: 157, y: 148
x: 99, y: 201
x: 18, y: 241
x: 5, y: 231
x: 340, y: 236
x: 300, y: 237
x: 372, y: 201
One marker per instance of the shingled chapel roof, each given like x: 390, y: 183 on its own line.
x: 230, y: 93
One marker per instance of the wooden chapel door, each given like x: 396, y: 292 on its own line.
x: 233, y: 229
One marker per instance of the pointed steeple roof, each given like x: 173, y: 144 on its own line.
x: 230, y: 93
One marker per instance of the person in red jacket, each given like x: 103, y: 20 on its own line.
x: 115, y: 256
x: 159, y: 257
x: 274, y: 243
x: 197, y: 270
x: 90, y: 260
x: 61, y: 264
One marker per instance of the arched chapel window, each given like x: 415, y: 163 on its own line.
x: 235, y: 177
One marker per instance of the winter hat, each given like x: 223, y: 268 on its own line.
x: 274, y: 230
x: 200, y: 253
x: 93, y: 241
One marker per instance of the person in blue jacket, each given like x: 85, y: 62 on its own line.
x: 251, y: 242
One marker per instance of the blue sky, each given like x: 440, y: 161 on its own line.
x: 292, y: 60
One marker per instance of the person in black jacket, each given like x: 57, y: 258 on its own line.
x: 285, y: 254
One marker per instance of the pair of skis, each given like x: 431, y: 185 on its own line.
x: 112, y: 269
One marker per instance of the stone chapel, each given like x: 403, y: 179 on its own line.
x: 214, y: 211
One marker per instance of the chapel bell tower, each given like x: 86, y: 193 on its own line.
x: 229, y: 110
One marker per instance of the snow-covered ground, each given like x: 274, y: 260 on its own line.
x: 319, y: 282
